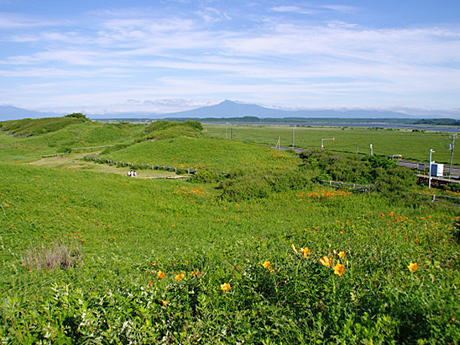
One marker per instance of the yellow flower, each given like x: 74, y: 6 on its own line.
x: 179, y: 276
x: 339, y: 269
x: 267, y: 264
x: 325, y: 261
x: 413, y: 266
x: 161, y: 274
x: 293, y: 248
x: 305, y: 252
x: 195, y: 273
x: 341, y: 255
x: 164, y: 302
x: 225, y: 287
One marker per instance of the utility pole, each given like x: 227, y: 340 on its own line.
x: 372, y: 150
x: 429, y: 173
x: 293, y: 137
x: 451, y: 148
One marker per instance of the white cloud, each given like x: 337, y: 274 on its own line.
x: 341, y: 8
x: 212, y: 15
x: 294, y: 9
x: 186, y: 58
x: 19, y: 21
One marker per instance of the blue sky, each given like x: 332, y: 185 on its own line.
x: 172, y: 55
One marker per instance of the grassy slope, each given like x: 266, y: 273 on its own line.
x: 29, y: 127
x: 223, y: 155
x: 73, y: 136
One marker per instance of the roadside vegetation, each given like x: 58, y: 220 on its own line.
x: 263, y: 253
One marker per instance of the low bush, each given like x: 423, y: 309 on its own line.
x: 78, y: 116
x: 388, y: 178
x: 206, y: 176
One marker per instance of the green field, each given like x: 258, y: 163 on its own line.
x: 89, y: 255
x: 411, y: 145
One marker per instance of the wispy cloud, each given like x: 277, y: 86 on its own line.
x: 210, y: 53
x: 293, y: 9
x: 341, y: 8
x: 19, y: 21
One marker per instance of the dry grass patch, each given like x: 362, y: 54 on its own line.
x: 53, y: 256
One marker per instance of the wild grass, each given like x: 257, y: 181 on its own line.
x: 175, y: 262
x: 203, y: 153
x: 52, y: 256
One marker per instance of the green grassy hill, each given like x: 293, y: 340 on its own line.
x: 162, y: 129
x: 67, y: 133
x: 29, y: 127
x: 216, y: 154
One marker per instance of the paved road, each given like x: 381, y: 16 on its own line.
x: 415, y: 165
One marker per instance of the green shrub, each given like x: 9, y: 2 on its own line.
x: 77, y: 116
x: 246, y: 184
x: 206, y: 176
x: 378, y: 161
x: 389, y: 179
x: 64, y: 149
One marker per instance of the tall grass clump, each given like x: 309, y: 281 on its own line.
x: 53, y: 256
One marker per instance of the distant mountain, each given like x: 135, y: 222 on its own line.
x: 234, y: 109
x: 8, y: 112
x: 225, y: 109
x: 229, y: 109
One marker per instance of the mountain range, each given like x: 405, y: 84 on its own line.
x: 8, y: 112
x: 233, y: 109
x: 225, y: 109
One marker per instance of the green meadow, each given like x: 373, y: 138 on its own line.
x: 411, y: 144
x: 263, y: 254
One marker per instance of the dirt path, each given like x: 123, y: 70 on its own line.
x: 75, y: 162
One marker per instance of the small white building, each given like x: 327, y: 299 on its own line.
x: 437, y: 169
